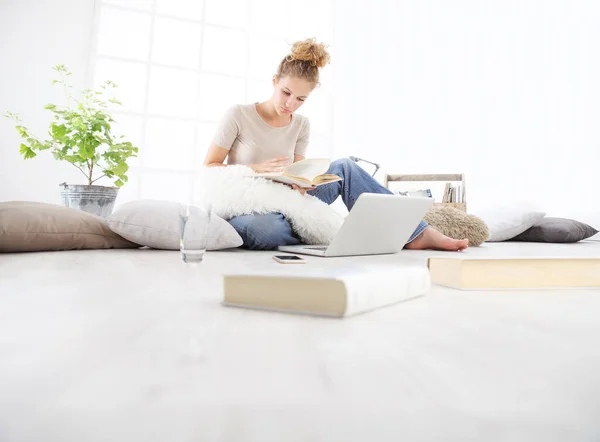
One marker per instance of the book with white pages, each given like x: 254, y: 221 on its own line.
x: 305, y: 173
x: 336, y: 292
x: 468, y: 272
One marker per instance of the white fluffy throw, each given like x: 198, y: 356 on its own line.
x: 235, y: 190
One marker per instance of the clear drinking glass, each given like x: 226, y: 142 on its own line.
x: 193, y: 232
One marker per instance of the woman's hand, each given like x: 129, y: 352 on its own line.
x: 302, y: 190
x: 272, y: 165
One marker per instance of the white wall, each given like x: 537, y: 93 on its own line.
x: 34, y: 36
x: 506, y: 91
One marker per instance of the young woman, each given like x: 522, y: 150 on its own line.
x: 268, y: 136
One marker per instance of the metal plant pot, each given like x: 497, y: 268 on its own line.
x: 98, y: 200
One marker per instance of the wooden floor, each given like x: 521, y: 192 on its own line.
x: 133, y: 345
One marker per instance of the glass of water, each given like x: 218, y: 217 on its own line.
x: 193, y: 232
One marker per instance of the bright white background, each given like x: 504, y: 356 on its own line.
x: 507, y: 92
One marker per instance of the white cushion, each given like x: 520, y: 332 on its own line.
x: 155, y: 224
x: 508, y: 222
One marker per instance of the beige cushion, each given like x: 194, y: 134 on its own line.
x: 155, y: 224
x: 31, y: 226
x: 457, y: 224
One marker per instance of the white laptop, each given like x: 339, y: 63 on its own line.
x: 376, y: 225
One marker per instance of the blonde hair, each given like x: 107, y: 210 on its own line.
x: 304, y: 61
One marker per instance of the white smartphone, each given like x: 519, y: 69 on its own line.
x: 289, y: 259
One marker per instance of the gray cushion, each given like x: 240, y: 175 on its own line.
x: 457, y: 224
x: 560, y: 230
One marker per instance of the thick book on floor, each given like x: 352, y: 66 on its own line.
x: 305, y: 173
x: 465, y: 272
x: 327, y: 292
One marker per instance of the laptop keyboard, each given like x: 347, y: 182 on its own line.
x: 317, y: 247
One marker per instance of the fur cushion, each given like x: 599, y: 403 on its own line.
x: 235, y: 190
x: 457, y: 224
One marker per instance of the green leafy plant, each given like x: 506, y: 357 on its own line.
x: 80, y: 133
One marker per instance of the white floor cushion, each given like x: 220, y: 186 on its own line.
x: 507, y: 222
x: 155, y: 224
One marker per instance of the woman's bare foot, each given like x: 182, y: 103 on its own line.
x: 432, y: 239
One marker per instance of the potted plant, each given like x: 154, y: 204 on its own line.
x: 80, y: 133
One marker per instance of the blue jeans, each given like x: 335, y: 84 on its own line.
x: 267, y: 231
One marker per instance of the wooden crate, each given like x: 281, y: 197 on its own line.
x: 432, y: 177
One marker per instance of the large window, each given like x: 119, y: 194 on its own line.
x: 180, y: 64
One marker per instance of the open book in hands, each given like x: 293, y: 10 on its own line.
x: 305, y: 173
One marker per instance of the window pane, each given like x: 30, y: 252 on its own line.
x: 170, y: 186
x: 205, y: 135
x: 176, y: 42
x: 318, y: 110
x: 190, y: 9
x: 230, y: 13
x: 326, y: 77
x: 124, y: 34
x: 140, y: 5
x: 259, y: 91
x: 130, y: 78
x: 271, y: 16
x: 312, y: 18
x: 131, y: 127
x: 223, y: 64
x: 173, y: 92
x: 218, y: 93
x: 265, y: 56
x: 169, y: 144
x: 225, y: 51
x: 318, y: 147
x: 131, y: 190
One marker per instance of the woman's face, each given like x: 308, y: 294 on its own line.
x: 289, y: 94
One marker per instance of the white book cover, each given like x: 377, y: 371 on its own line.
x: 377, y: 289
x: 365, y: 290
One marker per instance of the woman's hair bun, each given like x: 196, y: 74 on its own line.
x: 311, y: 51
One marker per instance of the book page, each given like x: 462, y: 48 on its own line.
x: 301, y: 182
x: 308, y: 168
x: 303, y: 172
x: 326, y: 178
